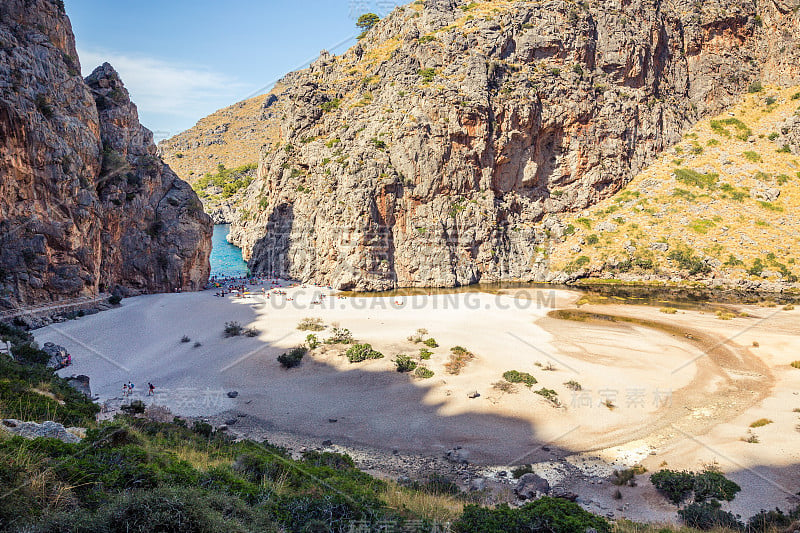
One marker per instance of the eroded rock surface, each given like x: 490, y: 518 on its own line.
x: 441, y: 149
x: 86, y: 206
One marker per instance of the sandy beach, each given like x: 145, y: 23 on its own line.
x: 675, y: 390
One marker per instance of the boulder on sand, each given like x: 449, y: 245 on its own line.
x: 531, y: 486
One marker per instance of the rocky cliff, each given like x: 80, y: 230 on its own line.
x: 444, y: 147
x: 85, y: 204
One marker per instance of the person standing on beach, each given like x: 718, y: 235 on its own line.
x: 124, y: 390
x: 151, y: 390
x: 130, y: 388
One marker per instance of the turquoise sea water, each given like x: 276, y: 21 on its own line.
x: 226, y: 259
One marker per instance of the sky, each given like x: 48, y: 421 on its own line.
x: 181, y: 60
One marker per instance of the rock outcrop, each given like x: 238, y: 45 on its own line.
x: 86, y: 206
x: 441, y: 149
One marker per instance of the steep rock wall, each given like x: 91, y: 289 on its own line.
x: 441, y: 148
x: 85, y: 205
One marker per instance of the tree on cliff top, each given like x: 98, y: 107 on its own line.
x: 366, y: 22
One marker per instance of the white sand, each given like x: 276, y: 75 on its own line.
x: 667, y: 397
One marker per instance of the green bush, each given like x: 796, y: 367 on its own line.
x: 752, y: 156
x: 706, y: 486
x: 427, y: 74
x: 404, y: 363
x: 696, y: 179
x: 549, y: 395
x: 708, y: 515
x: 546, y: 515
x: 293, y: 357
x: 425, y: 354
x: 712, y: 485
x: 362, y: 352
x: 514, y: 376
x: 673, y: 485
x: 423, y: 372
x: 430, y: 343
x: 312, y: 341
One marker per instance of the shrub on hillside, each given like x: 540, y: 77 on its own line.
x: 709, y: 515
x: 546, y: 515
x: 707, y: 485
x: 673, y: 485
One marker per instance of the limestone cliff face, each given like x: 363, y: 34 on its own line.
x: 441, y: 149
x: 85, y: 205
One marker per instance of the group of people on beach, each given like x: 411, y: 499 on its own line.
x: 129, y: 387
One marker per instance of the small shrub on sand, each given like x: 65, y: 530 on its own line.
x: 423, y: 372
x: 312, y: 341
x: 788, y: 307
x: 404, y: 363
x: 550, y: 395
x: 293, y: 357
x: 362, y: 352
x: 419, y: 336
x: 251, y: 332
x: 340, y: 336
x: 504, y: 386
x: 185, y: 339
x: 756, y: 344
x: 425, y: 354
x: 514, y: 376
x: 459, y: 357
x: 233, y: 329
x: 725, y: 315
x: 668, y: 310
x: 431, y: 343
x: 115, y: 300
x: 311, y: 324
x: 573, y: 385
x: 751, y: 438
x: 795, y: 364
x: 608, y: 404
x: 627, y: 477
x: 761, y: 422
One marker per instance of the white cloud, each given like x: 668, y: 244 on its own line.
x: 170, y: 97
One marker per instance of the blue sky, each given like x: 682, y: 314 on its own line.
x: 184, y: 59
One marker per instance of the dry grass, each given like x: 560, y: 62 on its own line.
x: 459, y: 357
x: 736, y: 229
x: 434, y: 507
